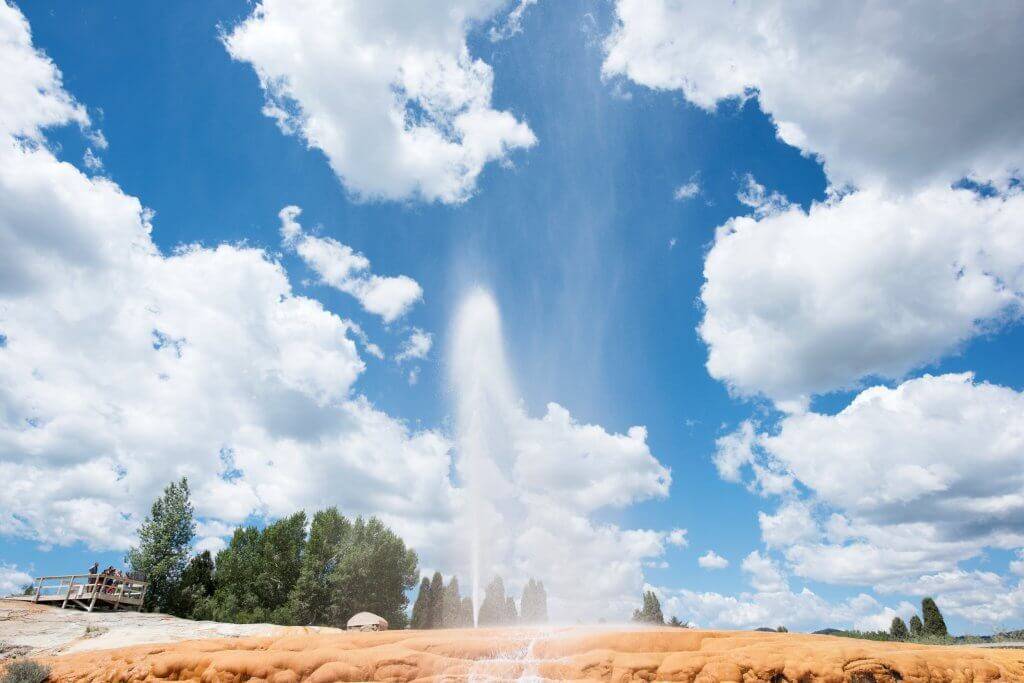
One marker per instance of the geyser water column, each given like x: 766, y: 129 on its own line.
x: 485, y: 411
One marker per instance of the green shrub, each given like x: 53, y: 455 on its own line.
x: 25, y: 671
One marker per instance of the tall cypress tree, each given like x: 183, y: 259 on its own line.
x: 511, y: 616
x: 934, y: 624
x: 916, y: 627
x: 451, y: 616
x: 421, y: 608
x: 898, y: 630
x: 493, y: 609
x: 651, y: 612
x: 435, y: 615
x: 533, y: 608
x: 466, y: 613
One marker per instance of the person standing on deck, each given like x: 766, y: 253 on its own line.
x: 93, y: 570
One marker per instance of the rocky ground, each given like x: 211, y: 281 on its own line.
x: 73, y: 644
x: 39, y: 630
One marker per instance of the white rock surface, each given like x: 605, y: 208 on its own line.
x: 30, y: 629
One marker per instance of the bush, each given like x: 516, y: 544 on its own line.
x: 25, y: 671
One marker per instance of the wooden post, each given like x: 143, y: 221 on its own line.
x: 142, y: 597
x: 39, y: 587
x: 120, y: 592
x: 95, y: 593
x: 71, y: 582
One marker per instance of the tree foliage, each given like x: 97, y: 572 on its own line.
x: 494, y: 608
x: 650, y: 613
x: 257, y: 572
x: 435, y: 614
x: 165, y: 538
x: 533, y: 606
x: 898, y: 630
x: 934, y: 624
x: 421, y: 608
x: 310, y: 600
x: 196, y: 586
x: 916, y: 627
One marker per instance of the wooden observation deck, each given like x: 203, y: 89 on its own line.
x: 89, y: 592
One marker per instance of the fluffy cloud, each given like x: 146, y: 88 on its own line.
x: 122, y: 368
x: 712, y: 560
x: 773, y: 604
x: 339, y: 266
x: 12, y: 579
x: 687, y: 191
x: 798, y: 303
x: 388, y: 91
x: 889, y: 95
x: 890, y: 277
x: 891, y: 496
x: 416, y: 347
x: 980, y: 597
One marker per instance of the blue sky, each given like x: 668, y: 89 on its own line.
x: 598, y: 270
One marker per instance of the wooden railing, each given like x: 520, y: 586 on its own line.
x: 87, y: 589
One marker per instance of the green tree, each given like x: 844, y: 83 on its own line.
x: 421, y: 608
x: 452, y: 613
x: 898, y: 629
x: 934, y: 624
x: 466, y: 612
x: 374, y: 571
x: 311, y: 597
x: 435, y: 615
x: 494, y: 608
x: 650, y: 613
x: 916, y: 627
x: 257, y: 572
x: 165, y: 537
x: 196, y: 586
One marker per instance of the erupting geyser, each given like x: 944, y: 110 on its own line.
x: 484, y: 406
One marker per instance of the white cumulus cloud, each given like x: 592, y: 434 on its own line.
x: 899, y: 95
x: 712, y: 560
x: 416, y: 347
x: 387, y: 90
x: 345, y: 269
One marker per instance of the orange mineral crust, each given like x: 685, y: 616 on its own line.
x: 562, y: 654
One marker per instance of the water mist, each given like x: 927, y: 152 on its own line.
x: 485, y: 405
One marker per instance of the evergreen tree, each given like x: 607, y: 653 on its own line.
x: 533, y: 606
x: 494, y: 608
x: 898, y: 629
x: 651, y: 611
x: 466, y: 613
x: 934, y: 624
x: 421, y: 608
x: 511, y: 615
x: 165, y: 537
x: 311, y: 597
x: 435, y: 616
x: 451, y: 616
x: 196, y: 586
x: 916, y: 627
